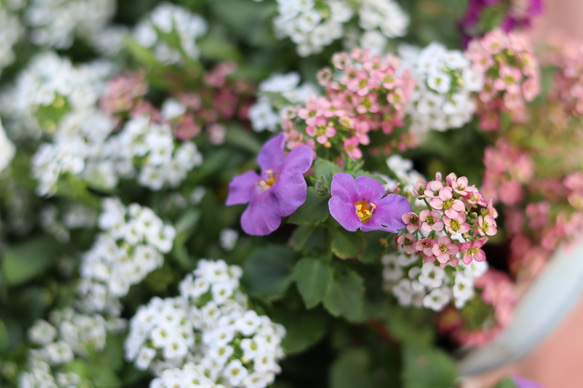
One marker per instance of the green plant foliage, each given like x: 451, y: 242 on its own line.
x: 313, y: 278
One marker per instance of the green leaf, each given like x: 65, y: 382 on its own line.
x: 425, y: 367
x: 313, y: 278
x: 374, y: 249
x: 325, y: 169
x: 347, y: 244
x: 300, y: 235
x: 268, y: 271
x: 237, y: 136
x: 507, y: 383
x: 411, y: 325
x: 313, y: 211
x: 186, y: 225
x: 142, y: 54
x: 103, y: 377
x: 302, y: 329
x: 351, y: 369
x: 345, y: 295
x: 4, y: 338
x: 24, y: 261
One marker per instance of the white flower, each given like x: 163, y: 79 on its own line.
x: 437, y: 299
x: 431, y: 275
x: 7, y: 149
x: 144, y: 358
x: 235, y: 372
x: 42, y: 332
x: 463, y: 289
x: 228, y: 239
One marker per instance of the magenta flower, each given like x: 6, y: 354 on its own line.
x: 362, y: 203
x: 277, y: 192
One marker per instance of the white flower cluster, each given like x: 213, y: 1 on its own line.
x: 445, y: 80
x: 191, y: 375
x: 7, y: 149
x: 68, y: 335
x: 427, y: 285
x: 85, y: 146
x: 171, y: 19
x: 162, y: 163
x: 131, y: 246
x: 51, y: 83
x: 210, y: 326
x: 381, y: 19
x: 10, y: 32
x: 54, y: 23
x: 314, y: 26
x: 263, y: 114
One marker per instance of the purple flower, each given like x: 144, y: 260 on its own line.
x: 277, y: 192
x: 524, y: 383
x: 362, y: 203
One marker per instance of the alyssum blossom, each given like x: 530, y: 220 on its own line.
x: 362, y: 203
x: 277, y: 192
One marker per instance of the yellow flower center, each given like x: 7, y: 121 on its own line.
x: 364, y: 210
x: 270, y: 181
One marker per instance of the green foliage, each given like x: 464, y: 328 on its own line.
x: 345, y: 295
x: 303, y: 328
x: 313, y: 278
x: 313, y: 211
x: 374, y: 248
x: 347, y: 244
x: 22, y: 262
x: 351, y: 369
x: 268, y: 271
x: 507, y: 383
x: 425, y: 367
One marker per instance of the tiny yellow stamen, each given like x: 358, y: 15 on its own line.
x: 270, y: 181
x: 364, y: 210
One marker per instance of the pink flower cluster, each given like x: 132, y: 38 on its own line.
x: 568, y: 81
x: 497, y: 292
x: 367, y: 93
x: 455, y: 224
x: 511, y: 76
x: 507, y: 170
x: 217, y: 100
x: 123, y: 93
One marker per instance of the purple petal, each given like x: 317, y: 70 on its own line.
x: 524, y: 383
x: 344, y: 212
x: 242, y: 188
x: 388, y: 214
x: 298, y: 160
x: 369, y: 189
x: 343, y: 187
x: 260, y: 218
x: 271, y: 154
x: 289, y: 192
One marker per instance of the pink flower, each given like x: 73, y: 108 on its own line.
x: 445, y: 201
x: 321, y: 129
x: 425, y: 246
x: 457, y: 224
x: 487, y: 226
x: 473, y: 250
x: 430, y: 221
x: 407, y: 242
x: 351, y: 147
x: 412, y: 221
x: 444, y: 250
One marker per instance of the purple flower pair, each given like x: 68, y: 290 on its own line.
x: 277, y: 192
x: 362, y: 203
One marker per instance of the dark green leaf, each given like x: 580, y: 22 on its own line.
x: 236, y: 136
x: 351, y: 369
x: 347, y: 244
x: 345, y: 295
x: 313, y: 278
x: 325, y: 169
x: 268, y: 271
x: 313, y: 211
x: 103, y: 377
x: 374, y: 249
x: 24, y: 261
x: 301, y: 235
x: 411, y: 325
x: 425, y: 367
x: 302, y: 330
